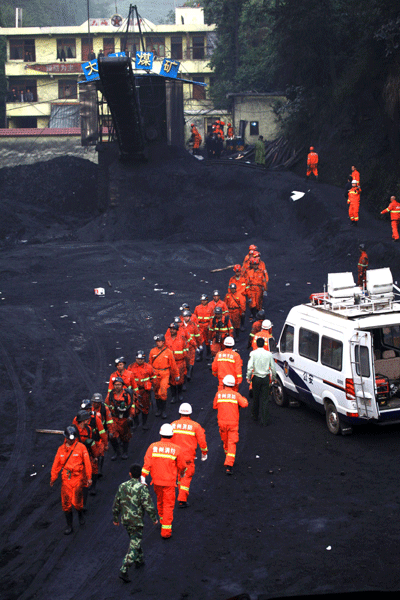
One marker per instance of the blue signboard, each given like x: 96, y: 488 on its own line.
x: 117, y: 54
x: 144, y: 60
x: 91, y: 70
x: 169, y: 68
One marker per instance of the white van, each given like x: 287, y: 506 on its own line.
x: 340, y: 353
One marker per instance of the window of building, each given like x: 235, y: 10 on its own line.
x: 85, y: 52
x: 66, y: 48
x: 308, y: 344
x: 22, y: 91
x: 21, y: 49
x: 199, y: 91
x: 108, y: 46
x: 331, y: 353
x: 133, y: 45
x: 156, y: 44
x: 253, y: 127
x: 198, y: 47
x: 67, y: 89
x: 176, y: 47
x: 287, y: 338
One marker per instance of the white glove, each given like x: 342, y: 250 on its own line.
x: 143, y: 479
x: 204, y: 457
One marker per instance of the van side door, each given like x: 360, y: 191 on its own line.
x: 363, y: 374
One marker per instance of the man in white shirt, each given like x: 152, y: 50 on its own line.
x: 260, y: 371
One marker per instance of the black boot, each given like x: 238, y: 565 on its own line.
x: 125, y: 446
x: 100, y: 463
x: 164, y: 409
x: 174, y: 390
x: 135, y: 423
x: 180, y: 395
x: 237, y: 331
x: 81, y: 517
x: 189, y: 373
x: 242, y: 322
x: 93, y: 491
x: 144, y: 421
x: 159, y: 406
x: 115, y: 447
x: 69, y: 529
x: 85, y: 492
x: 253, y: 314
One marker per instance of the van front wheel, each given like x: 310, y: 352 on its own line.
x: 332, y: 418
x: 279, y: 394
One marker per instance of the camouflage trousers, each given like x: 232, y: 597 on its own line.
x: 135, y: 552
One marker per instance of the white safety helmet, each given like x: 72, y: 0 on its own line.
x: 229, y: 341
x: 229, y: 380
x: 185, y: 409
x: 354, y: 181
x: 266, y: 324
x: 166, y: 430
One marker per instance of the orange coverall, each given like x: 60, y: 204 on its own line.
x: 125, y: 375
x: 164, y: 365
x: 197, y: 139
x: 227, y: 362
x: 180, y: 351
x: 354, y: 202
x: 312, y: 164
x: 230, y: 132
x: 142, y: 380
x: 204, y: 315
x: 164, y: 460
x: 218, y: 330
x: 394, y: 210
x: 240, y: 282
x: 187, y: 434
x: 264, y: 333
x: 227, y: 402
x: 356, y: 175
x: 362, y: 269
x: 75, y: 474
x: 255, y: 329
x: 121, y: 425
x: 192, y: 332
x: 236, y: 304
x: 257, y: 281
x: 212, y: 304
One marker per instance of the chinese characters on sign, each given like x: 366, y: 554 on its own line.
x: 144, y: 60
x: 169, y: 68
x: 91, y: 70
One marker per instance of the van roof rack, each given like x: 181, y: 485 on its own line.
x: 343, y: 296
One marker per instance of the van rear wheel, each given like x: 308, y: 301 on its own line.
x: 332, y: 418
x: 279, y: 394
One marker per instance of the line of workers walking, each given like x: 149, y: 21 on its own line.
x: 208, y: 333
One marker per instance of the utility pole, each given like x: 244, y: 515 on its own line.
x: 88, y: 24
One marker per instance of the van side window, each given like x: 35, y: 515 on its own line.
x: 391, y: 336
x: 362, y: 361
x: 286, y: 344
x: 308, y: 344
x: 331, y: 353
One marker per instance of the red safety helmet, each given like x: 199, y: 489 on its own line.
x: 237, y: 268
x: 252, y: 247
x: 311, y: 148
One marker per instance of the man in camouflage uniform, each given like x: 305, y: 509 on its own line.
x: 130, y: 502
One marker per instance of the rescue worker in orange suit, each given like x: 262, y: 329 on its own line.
x: 220, y: 327
x: 230, y: 134
x: 236, y: 303
x: 256, y: 327
x: 99, y: 437
x: 72, y: 459
x: 196, y: 139
x: 266, y: 333
x: 362, y: 267
x: 355, y: 175
x: 123, y: 411
x: 312, y: 163
x: 85, y: 436
x: 228, y: 362
x: 216, y: 301
x: 177, y: 343
x: 247, y: 259
x: 103, y: 412
x: 354, y: 202
x: 394, y: 210
x: 121, y: 371
x: 261, y: 264
x: 191, y: 330
x: 257, y: 282
x: 204, y: 315
x: 241, y: 286
x: 164, y: 461
x: 163, y: 362
x: 143, y: 377
x: 188, y: 434
x: 227, y: 403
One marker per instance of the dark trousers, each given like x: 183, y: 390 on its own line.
x: 260, y: 398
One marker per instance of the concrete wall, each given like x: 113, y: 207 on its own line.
x: 257, y: 108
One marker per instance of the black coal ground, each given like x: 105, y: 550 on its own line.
x: 305, y: 512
